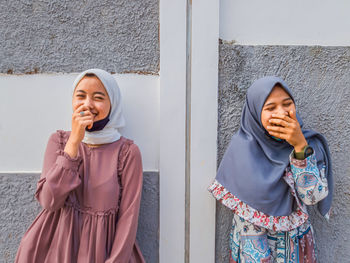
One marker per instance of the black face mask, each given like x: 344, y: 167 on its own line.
x: 98, y: 125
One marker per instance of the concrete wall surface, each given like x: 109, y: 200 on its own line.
x: 320, y: 80
x: 39, y: 36
x: 19, y: 208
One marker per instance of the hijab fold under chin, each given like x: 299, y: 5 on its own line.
x: 254, y: 164
x: 110, y: 132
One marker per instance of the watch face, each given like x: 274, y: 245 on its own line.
x: 308, y: 151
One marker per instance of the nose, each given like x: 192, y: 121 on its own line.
x: 281, y: 110
x: 88, y: 102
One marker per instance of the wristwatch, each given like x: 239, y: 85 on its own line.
x: 307, y: 151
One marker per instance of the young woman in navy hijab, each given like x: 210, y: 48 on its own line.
x: 271, y: 170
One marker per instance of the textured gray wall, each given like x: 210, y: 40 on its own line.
x: 40, y: 36
x: 320, y: 80
x: 18, y: 208
x: 148, y: 229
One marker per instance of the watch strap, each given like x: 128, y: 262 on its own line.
x: 306, y: 152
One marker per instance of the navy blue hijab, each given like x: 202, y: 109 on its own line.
x: 254, y: 163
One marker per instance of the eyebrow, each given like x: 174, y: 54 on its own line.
x: 82, y: 91
x: 97, y: 92
x: 273, y: 103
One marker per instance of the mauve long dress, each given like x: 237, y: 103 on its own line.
x: 80, y: 198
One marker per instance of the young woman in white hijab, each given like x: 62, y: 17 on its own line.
x: 90, y: 186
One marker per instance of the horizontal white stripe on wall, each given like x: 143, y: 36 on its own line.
x: 281, y: 22
x: 34, y: 106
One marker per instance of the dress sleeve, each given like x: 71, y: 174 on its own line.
x: 59, y: 175
x: 310, y: 181
x: 125, y: 236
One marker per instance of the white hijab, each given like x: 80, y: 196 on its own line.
x: 110, y: 132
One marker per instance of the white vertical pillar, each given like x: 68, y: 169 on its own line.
x: 172, y: 129
x: 198, y: 116
x: 204, y: 89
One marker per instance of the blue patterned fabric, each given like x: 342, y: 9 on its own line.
x: 250, y: 243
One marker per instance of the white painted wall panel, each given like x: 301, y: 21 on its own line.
x: 204, y: 90
x: 282, y: 22
x: 172, y: 130
x: 34, y: 106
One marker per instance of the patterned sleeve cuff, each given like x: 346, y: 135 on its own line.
x: 302, y: 163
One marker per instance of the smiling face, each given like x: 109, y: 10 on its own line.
x: 91, y: 93
x: 278, y: 101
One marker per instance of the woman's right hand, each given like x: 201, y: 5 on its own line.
x: 81, y: 118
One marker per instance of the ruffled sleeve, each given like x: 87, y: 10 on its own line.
x: 310, y: 181
x: 131, y: 180
x: 59, y: 175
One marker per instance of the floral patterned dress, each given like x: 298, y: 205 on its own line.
x: 258, y: 237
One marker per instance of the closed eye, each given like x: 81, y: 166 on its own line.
x: 287, y: 104
x: 270, y: 108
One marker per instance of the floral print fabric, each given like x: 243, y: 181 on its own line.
x: 250, y: 244
x: 258, y: 237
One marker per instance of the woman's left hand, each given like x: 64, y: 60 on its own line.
x: 288, y: 129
